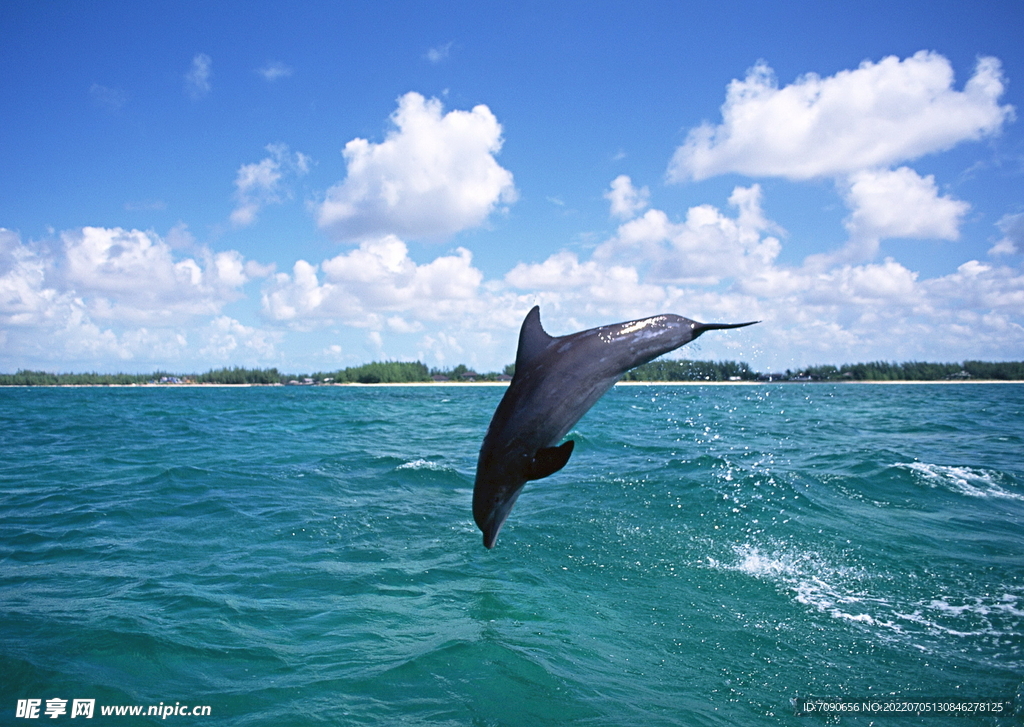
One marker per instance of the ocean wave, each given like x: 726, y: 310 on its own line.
x: 421, y: 465
x: 814, y: 581
x: 988, y: 616
x: 969, y: 481
x: 856, y: 596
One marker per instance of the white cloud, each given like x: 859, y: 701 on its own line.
x: 901, y: 203
x: 97, y: 295
x: 197, y: 80
x: 367, y: 285
x: 875, y: 116
x: 599, y: 284
x: 259, y: 184
x: 400, y: 325
x: 852, y: 126
x: 133, y: 275
x: 626, y: 201
x: 379, y: 288
x: 885, y: 311
x: 226, y: 340
x: 707, y: 247
x: 275, y: 70
x: 434, y: 175
x: 979, y: 287
x: 892, y: 203
x: 442, y: 348
x: 439, y: 53
x: 1012, y: 227
x: 25, y: 298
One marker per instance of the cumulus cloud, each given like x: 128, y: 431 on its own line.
x: 25, y: 299
x: 197, y: 80
x: 224, y: 339
x: 901, y: 203
x: 886, y: 311
x: 706, y: 247
x: 366, y: 286
x: 875, y: 116
x: 853, y: 126
x: 100, y: 293
x: 626, y: 201
x: 434, y: 175
x: 274, y: 70
x: 259, y: 184
x: 599, y: 284
x: 979, y: 287
x: 895, y: 203
x: 1012, y: 227
x: 133, y: 275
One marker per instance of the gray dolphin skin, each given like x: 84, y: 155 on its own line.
x: 557, y: 379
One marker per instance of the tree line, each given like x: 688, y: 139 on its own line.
x: 691, y: 371
x: 911, y: 371
x: 401, y: 372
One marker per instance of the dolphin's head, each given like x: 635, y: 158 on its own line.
x: 633, y: 343
x: 495, y: 517
x: 497, y: 487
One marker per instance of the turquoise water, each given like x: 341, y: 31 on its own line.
x: 307, y: 556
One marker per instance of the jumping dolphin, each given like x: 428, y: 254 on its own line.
x: 557, y: 379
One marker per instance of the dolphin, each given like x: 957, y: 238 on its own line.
x: 557, y: 379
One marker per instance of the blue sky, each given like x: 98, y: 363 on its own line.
x: 316, y: 185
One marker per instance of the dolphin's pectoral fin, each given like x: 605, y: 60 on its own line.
x: 549, y: 460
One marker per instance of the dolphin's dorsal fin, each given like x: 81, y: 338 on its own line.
x: 532, y: 338
x: 549, y: 460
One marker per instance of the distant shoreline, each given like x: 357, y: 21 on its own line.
x: 461, y: 384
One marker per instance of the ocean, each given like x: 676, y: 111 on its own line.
x: 711, y: 555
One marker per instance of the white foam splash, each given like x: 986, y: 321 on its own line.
x: 815, y: 583
x: 423, y: 464
x: 965, y: 480
x: 995, y: 616
x: 842, y: 592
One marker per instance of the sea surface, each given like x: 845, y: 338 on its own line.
x: 711, y: 555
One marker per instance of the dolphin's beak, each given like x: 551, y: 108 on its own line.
x: 701, y: 327
x: 496, y: 518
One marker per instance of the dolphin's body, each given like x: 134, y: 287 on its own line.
x: 557, y: 379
